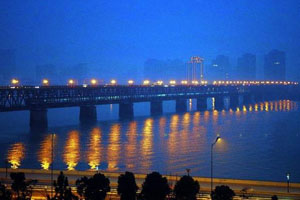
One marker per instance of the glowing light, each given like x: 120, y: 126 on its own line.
x: 94, y: 82
x: 45, y: 82
x: 113, y: 149
x: 184, y: 82
x: 94, y: 152
x: 130, y: 82
x: 195, y: 82
x: 172, y: 82
x: 71, y: 153
x: 45, y: 153
x: 16, y: 154
x: 160, y: 82
x: 71, y: 82
x: 113, y: 82
x: 146, y: 82
x: 15, y: 81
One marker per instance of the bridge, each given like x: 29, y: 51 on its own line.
x: 38, y: 99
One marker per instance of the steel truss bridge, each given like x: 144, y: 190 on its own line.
x: 37, y: 99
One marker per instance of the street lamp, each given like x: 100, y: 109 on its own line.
x: 288, y: 181
x: 211, y: 163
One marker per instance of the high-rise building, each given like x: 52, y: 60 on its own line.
x: 274, y: 67
x: 246, y: 67
x: 220, y: 68
x: 7, y: 65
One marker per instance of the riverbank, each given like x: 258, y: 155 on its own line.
x: 261, y: 189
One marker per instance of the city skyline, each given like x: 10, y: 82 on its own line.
x: 122, y: 39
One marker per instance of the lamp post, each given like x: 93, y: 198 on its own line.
x: 211, y: 163
x: 288, y: 181
x: 52, y: 141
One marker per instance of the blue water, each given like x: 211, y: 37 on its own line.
x: 258, y: 142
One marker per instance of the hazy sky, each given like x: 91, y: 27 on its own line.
x: 116, y: 37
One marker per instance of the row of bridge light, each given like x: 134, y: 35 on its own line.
x: 94, y: 82
x: 255, y: 83
x: 71, y: 82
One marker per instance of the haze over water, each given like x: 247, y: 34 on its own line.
x: 258, y: 142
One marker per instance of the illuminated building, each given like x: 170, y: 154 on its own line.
x: 246, y: 67
x: 274, y: 66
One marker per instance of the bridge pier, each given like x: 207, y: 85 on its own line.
x: 38, y: 118
x: 234, y: 101
x: 181, y: 105
x: 88, y: 114
x: 219, y: 102
x: 156, y: 107
x: 201, y: 103
x: 126, y: 110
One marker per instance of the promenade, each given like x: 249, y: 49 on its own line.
x: 254, y: 189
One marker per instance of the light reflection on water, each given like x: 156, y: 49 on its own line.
x: 258, y: 142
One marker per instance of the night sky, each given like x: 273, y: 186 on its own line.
x: 117, y: 37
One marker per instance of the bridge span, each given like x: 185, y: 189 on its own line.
x: 37, y: 99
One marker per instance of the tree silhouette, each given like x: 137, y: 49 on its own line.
x: 4, y: 193
x: 155, y: 187
x: 186, y: 188
x: 274, y: 197
x: 93, y: 188
x: 127, y: 187
x: 62, y: 189
x: 222, y: 192
x: 21, y: 187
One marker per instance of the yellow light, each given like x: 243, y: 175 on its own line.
x: 71, y: 82
x: 130, y: 82
x: 195, y: 82
x: 113, y: 82
x: 146, y: 82
x: 159, y: 82
x: 215, y: 82
x: 94, y: 81
x: 184, y: 82
x: 45, y: 82
x: 172, y: 82
x: 14, y: 81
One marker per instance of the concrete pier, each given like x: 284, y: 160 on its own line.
x: 181, y: 105
x: 156, y: 107
x: 201, y: 103
x: 126, y: 110
x: 88, y: 114
x: 38, y: 118
x: 219, y: 102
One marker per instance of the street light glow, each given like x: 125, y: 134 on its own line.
x: 94, y: 81
x: 113, y: 82
x: 130, y: 82
x: 71, y: 82
x: 45, y: 82
x: 146, y: 82
x: 172, y: 82
x: 184, y: 82
x: 159, y: 82
x: 15, y: 81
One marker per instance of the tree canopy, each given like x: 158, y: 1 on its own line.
x: 155, y: 187
x: 186, y: 188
